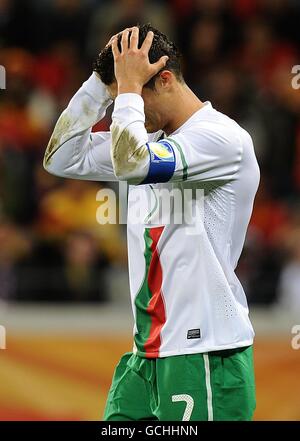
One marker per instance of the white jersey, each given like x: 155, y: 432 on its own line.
x: 186, y: 297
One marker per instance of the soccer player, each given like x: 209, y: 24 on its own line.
x: 192, y: 354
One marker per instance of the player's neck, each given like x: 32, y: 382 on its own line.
x: 184, y: 104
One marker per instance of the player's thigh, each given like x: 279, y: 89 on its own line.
x: 181, y: 388
x: 202, y: 387
x: 128, y: 397
x: 234, y: 391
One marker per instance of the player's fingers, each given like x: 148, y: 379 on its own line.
x: 134, y: 38
x: 111, y: 40
x: 160, y: 64
x: 124, y: 40
x: 147, y: 42
x: 126, y: 29
x: 115, y: 36
x: 114, y: 47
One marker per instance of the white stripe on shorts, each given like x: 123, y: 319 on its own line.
x: 208, y: 387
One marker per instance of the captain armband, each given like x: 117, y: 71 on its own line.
x: 162, y: 162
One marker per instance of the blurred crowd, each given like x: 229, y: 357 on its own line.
x: 238, y: 54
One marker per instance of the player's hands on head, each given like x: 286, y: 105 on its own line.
x: 132, y: 67
x: 116, y: 36
x: 106, y: 46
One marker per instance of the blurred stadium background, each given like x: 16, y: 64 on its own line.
x: 64, y: 297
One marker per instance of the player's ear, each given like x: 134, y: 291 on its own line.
x: 165, y: 78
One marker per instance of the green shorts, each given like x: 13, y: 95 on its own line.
x: 197, y: 387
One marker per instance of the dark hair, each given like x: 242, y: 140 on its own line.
x: 161, y: 45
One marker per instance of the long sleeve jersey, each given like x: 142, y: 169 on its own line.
x: 190, y: 200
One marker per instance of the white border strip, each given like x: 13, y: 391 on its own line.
x: 208, y: 387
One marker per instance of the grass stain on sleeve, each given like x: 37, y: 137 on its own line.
x: 61, y: 128
x: 126, y: 153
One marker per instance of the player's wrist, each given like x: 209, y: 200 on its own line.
x: 128, y: 87
x: 97, y: 89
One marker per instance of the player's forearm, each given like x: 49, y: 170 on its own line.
x: 72, y: 129
x: 130, y: 156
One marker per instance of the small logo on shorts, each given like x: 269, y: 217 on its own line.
x: 193, y: 333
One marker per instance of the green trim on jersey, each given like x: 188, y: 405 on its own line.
x: 183, y: 160
x: 149, y: 302
x: 148, y: 217
x: 143, y: 319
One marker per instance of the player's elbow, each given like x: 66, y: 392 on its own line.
x: 51, y: 165
x: 53, y: 168
x: 53, y: 171
x: 47, y: 165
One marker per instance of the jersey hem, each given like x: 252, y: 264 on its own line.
x: 194, y: 351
